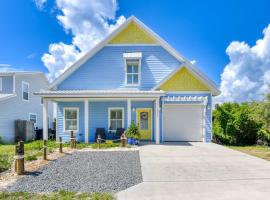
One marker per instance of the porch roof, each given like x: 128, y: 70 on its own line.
x: 98, y: 93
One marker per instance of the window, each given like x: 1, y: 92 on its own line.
x: 33, y: 118
x: 71, y: 119
x: 1, y: 82
x: 25, y: 91
x: 116, y: 118
x: 41, y: 100
x: 132, y: 71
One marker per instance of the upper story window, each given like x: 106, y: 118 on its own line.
x: 25, y: 91
x: 133, y: 68
x: 132, y: 75
x: 1, y: 84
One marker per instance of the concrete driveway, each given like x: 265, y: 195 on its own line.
x: 199, y: 171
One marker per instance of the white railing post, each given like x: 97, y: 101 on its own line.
x: 86, y: 121
x: 128, y: 112
x: 157, y: 120
x: 45, y: 119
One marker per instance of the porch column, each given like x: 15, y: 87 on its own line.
x: 45, y: 119
x: 128, y: 112
x: 86, y: 121
x: 157, y: 120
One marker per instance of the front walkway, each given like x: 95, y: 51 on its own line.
x: 199, y: 171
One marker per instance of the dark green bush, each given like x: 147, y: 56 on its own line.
x: 133, y: 131
x: 264, y: 136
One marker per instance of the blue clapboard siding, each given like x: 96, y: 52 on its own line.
x: 60, y: 120
x: 208, y: 117
x: 7, y: 84
x: 98, y: 115
x: 143, y: 104
x: 106, y: 69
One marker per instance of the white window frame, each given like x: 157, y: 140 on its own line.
x: 78, y: 116
x: 1, y: 84
x: 139, y: 71
x: 109, y: 116
x: 30, y: 117
x: 28, y: 85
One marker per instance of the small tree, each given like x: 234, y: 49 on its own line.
x: 133, y: 131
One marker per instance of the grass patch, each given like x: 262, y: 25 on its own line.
x: 32, y: 149
x: 57, y: 195
x: 255, y: 150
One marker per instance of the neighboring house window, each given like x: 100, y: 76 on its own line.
x: 1, y: 84
x: 25, y: 91
x: 71, y: 119
x: 41, y: 100
x: 116, y: 118
x: 33, y: 118
x: 132, y: 71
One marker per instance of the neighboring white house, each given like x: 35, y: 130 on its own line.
x: 17, y: 101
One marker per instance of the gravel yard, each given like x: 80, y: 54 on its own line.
x: 96, y: 171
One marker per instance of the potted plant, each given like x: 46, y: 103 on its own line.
x: 133, y: 134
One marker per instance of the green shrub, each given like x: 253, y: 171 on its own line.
x: 264, y: 136
x: 133, y: 131
x: 1, y: 140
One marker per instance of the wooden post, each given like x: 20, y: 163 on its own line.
x: 123, y: 140
x: 19, y: 156
x: 45, y: 150
x: 72, y: 140
x: 98, y: 141
x: 60, y: 145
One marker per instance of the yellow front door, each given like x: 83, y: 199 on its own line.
x: 144, y: 122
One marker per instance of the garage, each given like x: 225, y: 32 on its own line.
x: 183, y: 122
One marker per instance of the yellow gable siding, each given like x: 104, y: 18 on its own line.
x: 183, y: 80
x: 133, y: 34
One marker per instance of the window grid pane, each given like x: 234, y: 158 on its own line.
x: 132, y: 72
x: 71, y: 120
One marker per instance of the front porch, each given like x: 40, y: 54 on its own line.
x: 84, y: 115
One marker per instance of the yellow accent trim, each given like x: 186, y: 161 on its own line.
x: 133, y: 34
x: 145, y: 134
x: 184, y: 80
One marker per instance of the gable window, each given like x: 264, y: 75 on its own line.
x: 1, y: 86
x: 25, y: 91
x: 116, y: 118
x: 71, y: 119
x: 33, y: 118
x: 132, y: 71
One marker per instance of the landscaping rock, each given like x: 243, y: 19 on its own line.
x: 104, y: 171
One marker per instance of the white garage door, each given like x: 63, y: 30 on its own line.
x: 183, y: 122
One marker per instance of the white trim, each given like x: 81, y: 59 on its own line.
x: 139, y: 72
x: 152, y: 118
x: 128, y: 112
x: 14, y: 84
x: 1, y: 84
x: 86, y: 121
x: 28, y: 85
x: 160, y: 41
x: 78, y: 120
x: 7, y: 96
x: 30, y: 118
x: 109, y: 116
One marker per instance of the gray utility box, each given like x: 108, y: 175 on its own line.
x: 24, y: 130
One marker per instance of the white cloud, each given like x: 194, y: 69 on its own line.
x: 5, y: 65
x: 247, y: 76
x: 89, y: 21
x: 40, y: 3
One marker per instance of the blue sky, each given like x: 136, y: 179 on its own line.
x: 200, y: 30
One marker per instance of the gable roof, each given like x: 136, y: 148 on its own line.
x: 159, y: 40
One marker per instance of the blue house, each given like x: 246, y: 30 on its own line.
x: 133, y: 75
